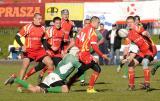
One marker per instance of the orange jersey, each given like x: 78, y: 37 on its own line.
x: 67, y: 28
x: 87, y: 37
x: 33, y: 35
x: 84, y: 40
x: 54, y: 37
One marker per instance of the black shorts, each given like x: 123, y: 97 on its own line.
x: 41, y: 65
x: 58, y: 83
x: 93, y: 65
x: 56, y: 60
x: 139, y: 58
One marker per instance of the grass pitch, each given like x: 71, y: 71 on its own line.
x: 111, y: 87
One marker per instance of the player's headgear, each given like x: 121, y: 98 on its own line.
x: 64, y: 11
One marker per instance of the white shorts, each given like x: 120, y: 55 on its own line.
x: 51, y: 78
x: 133, y: 48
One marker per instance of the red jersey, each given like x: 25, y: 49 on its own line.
x: 67, y: 28
x: 144, y: 44
x: 54, y: 37
x: 84, y: 41
x: 138, y: 40
x: 33, y: 35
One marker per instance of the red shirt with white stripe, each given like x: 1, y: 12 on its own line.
x: 33, y: 35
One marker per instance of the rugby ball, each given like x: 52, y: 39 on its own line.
x: 123, y: 33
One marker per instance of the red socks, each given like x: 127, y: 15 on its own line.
x: 131, y: 76
x: 93, y: 79
x: 31, y: 72
x: 146, y: 75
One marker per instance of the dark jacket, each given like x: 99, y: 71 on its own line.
x: 117, y: 40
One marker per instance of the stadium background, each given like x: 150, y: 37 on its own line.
x: 16, y: 13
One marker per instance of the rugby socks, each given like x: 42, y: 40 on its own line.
x: 146, y: 75
x: 131, y: 76
x: 126, y: 71
x: 31, y: 72
x: 93, y: 79
x: 156, y: 65
x: 21, y: 82
x: 82, y: 77
x: 57, y: 89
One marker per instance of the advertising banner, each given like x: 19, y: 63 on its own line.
x: 15, y: 14
x: 110, y: 13
x: 54, y: 9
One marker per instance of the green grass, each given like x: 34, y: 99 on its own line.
x: 110, y: 84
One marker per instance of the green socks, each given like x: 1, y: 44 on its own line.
x: 126, y: 70
x: 82, y: 77
x: 22, y: 82
x: 156, y: 65
x: 57, y: 89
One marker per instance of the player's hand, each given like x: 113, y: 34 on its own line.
x: 23, y: 48
x: 146, y: 33
x: 124, y: 60
x: 106, y: 57
x: 49, y: 52
x: 63, y: 53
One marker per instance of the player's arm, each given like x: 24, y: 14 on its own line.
x: 126, y: 48
x: 77, y: 41
x: 46, y: 45
x: 95, y: 46
x: 72, y: 41
x: 18, y: 39
x: 100, y: 41
x: 96, y: 49
x: 20, y: 34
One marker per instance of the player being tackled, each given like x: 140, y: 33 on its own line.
x: 55, y: 81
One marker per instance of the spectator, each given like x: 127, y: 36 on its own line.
x: 15, y: 50
x: 115, y: 44
x: 103, y: 46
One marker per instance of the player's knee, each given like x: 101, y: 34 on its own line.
x: 131, y: 64
x: 145, y: 63
x: 49, y: 62
x: 65, y: 89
